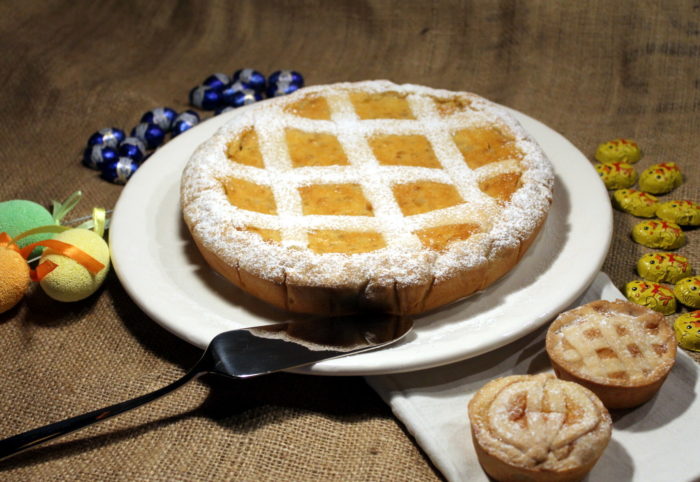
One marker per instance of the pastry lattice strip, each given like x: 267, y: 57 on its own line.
x: 364, y: 169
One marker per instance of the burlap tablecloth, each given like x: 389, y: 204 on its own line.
x: 591, y: 70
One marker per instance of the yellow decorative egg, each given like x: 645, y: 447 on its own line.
x: 618, y: 150
x: 687, y: 291
x: 687, y: 329
x: 658, y: 234
x: 616, y: 175
x: 636, y: 203
x: 652, y: 295
x: 664, y: 267
x: 70, y: 280
x: 683, y: 213
x: 661, y: 178
x: 14, y: 278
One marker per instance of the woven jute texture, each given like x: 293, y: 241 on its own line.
x: 591, y: 70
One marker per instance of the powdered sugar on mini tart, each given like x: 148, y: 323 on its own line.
x: 221, y: 227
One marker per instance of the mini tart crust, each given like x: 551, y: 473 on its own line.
x: 537, y: 427
x: 618, y: 349
x: 491, y: 210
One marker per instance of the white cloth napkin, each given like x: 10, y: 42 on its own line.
x: 654, y: 442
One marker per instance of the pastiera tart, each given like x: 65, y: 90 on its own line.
x: 620, y: 350
x: 366, y: 196
x: 538, y: 428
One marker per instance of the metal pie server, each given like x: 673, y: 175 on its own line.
x: 247, y: 353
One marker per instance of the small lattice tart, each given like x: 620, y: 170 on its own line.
x: 618, y: 349
x: 537, y: 427
x: 366, y: 196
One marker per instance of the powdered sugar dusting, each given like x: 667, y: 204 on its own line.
x: 220, y: 226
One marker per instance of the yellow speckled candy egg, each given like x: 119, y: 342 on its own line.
x: 618, y: 150
x: 664, y: 267
x: 687, y: 291
x: 683, y: 213
x: 687, y: 329
x: 636, y: 203
x: 652, y: 295
x: 656, y: 233
x: 14, y: 278
x: 660, y: 178
x: 616, y: 175
x: 71, y: 281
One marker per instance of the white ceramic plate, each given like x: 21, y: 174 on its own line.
x: 163, y: 272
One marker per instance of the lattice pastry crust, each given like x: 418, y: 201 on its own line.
x: 620, y: 350
x: 537, y: 427
x: 368, y: 195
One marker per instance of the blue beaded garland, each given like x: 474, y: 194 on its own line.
x: 217, y: 81
x: 281, y: 88
x: 109, y: 136
x: 150, y: 134
x: 252, y: 79
x: 186, y: 120
x: 132, y: 147
x: 286, y: 76
x: 95, y: 156
x: 163, y: 117
x: 119, y: 170
x: 206, y: 98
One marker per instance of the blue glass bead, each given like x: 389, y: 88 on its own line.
x: 287, y: 76
x: 206, y: 98
x: 95, y: 156
x: 244, y: 97
x: 252, y: 79
x: 149, y: 134
x: 222, y: 110
x: 109, y: 136
x: 163, y: 117
x: 281, y: 88
x: 119, y: 170
x: 186, y: 120
x: 217, y: 81
x: 132, y: 147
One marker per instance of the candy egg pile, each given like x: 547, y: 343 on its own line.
x: 668, y: 226
x: 117, y: 156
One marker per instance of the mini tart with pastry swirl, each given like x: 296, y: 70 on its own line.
x: 364, y: 196
x: 537, y: 427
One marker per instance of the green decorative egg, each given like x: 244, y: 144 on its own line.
x: 661, y: 234
x: 661, y: 178
x: 683, y: 213
x: 652, y: 295
x: 636, y: 203
x: 618, y: 150
x: 617, y: 175
x: 664, y: 267
x: 687, y: 291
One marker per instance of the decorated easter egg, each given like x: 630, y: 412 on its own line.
x: 19, y: 215
x: 658, y: 234
x: 652, y: 295
x: 636, y: 203
x: 687, y: 291
x: 616, y: 175
x: 683, y: 213
x: 70, y: 280
x: 660, y: 178
x: 618, y: 150
x: 15, y: 277
x: 664, y: 267
x: 687, y: 329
